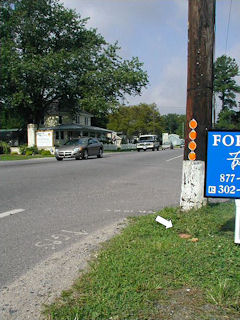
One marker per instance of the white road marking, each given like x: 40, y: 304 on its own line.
x: 11, y: 212
x: 130, y: 211
x: 174, y: 158
x: 57, y: 239
x: 77, y: 233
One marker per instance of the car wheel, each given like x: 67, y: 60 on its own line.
x: 153, y: 149
x: 138, y: 150
x: 85, y: 154
x: 77, y: 158
x: 100, y: 154
x: 59, y: 159
x: 157, y: 148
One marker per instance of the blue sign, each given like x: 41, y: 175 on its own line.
x: 222, y: 174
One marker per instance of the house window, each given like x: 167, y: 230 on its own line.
x: 60, y: 119
x: 86, y: 121
x: 77, y: 119
x: 57, y: 135
x: 62, y: 135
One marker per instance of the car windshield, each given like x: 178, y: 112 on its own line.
x: 151, y: 139
x: 74, y: 142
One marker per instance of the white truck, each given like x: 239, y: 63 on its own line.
x: 148, y: 141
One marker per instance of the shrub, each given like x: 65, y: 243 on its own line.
x: 4, y: 147
x: 33, y: 149
x: 28, y: 153
x: 45, y: 152
x: 23, y: 149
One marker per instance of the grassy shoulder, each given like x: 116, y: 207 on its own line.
x: 9, y: 157
x: 191, y: 271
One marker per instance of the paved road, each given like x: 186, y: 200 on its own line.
x: 64, y: 201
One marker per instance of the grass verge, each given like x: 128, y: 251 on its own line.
x: 9, y: 157
x: 191, y: 271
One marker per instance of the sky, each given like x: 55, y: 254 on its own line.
x: 156, y: 32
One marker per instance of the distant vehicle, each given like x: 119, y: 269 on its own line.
x: 148, y: 141
x: 80, y: 148
x: 182, y: 144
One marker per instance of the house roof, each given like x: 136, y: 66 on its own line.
x: 76, y: 127
x: 84, y: 112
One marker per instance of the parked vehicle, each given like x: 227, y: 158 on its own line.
x: 80, y: 148
x: 148, y: 141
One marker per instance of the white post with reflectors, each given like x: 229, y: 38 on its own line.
x: 237, y: 222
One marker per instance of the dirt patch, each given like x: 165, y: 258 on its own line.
x: 189, y: 304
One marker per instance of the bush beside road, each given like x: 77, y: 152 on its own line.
x: 190, y: 271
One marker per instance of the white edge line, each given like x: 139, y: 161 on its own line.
x: 9, y: 213
x: 174, y: 158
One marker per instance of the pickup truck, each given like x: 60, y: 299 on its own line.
x: 148, y: 141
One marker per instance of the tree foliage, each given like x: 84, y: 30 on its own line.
x: 48, y: 55
x: 174, y: 123
x: 135, y: 120
x: 228, y: 119
x: 225, y: 85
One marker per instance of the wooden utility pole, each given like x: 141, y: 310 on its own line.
x: 201, y: 19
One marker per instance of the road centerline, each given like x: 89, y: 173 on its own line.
x: 10, y: 213
x: 174, y: 158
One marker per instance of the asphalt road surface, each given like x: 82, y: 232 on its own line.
x: 54, y: 204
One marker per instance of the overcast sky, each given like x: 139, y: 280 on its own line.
x: 156, y: 32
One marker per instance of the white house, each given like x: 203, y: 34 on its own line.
x: 59, y: 126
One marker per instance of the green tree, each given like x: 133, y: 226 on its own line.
x: 174, y: 123
x: 225, y: 71
x: 48, y: 55
x: 135, y: 120
x: 226, y: 119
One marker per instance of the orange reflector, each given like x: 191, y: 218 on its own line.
x: 193, y: 135
x: 193, y: 124
x: 192, y: 156
x: 192, y: 145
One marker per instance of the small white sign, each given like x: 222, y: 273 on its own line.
x: 44, y: 138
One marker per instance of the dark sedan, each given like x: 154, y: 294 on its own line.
x: 80, y: 148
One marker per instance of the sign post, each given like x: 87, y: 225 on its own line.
x: 237, y: 222
x: 222, y: 174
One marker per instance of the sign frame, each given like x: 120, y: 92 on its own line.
x: 44, y: 142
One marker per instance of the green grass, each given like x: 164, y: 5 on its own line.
x: 147, y: 267
x: 9, y: 157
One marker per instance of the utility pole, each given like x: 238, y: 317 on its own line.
x: 201, y: 23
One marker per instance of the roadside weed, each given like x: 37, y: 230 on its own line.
x: 225, y: 293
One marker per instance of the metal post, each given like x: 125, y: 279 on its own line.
x: 237, y: 222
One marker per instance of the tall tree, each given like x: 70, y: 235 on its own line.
x: 48, y: 55
x: 228, y: 119
x: 225, y: 71
x: 174, y: 123
x: 135, y: 120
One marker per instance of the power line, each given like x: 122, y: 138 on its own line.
x: 229, y: 16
